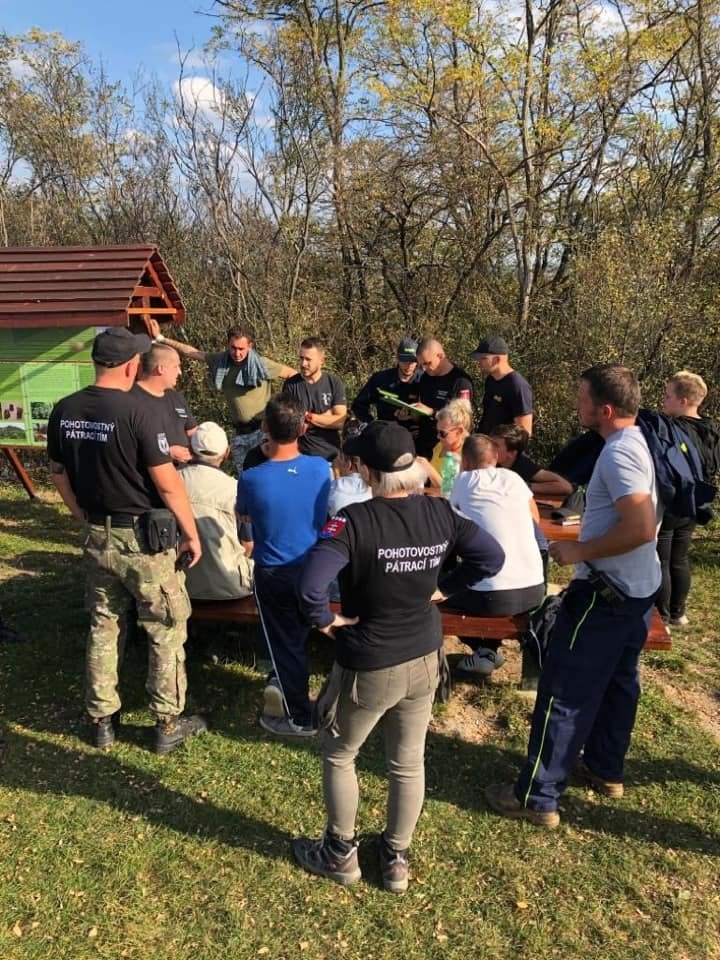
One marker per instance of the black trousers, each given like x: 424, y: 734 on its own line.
x: 285, y: 632
x: 673, y: 548
x: 494, y: 603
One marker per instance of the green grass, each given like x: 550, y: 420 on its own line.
x: 125, y: 854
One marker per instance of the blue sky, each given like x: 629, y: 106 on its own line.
x: 125, y: 34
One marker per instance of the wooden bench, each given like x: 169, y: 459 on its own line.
x: 454, y: 624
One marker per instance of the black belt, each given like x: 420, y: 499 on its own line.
x: 118, y: 520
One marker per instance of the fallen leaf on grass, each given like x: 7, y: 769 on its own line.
x: 17, y: 930
x: 521, y: 904
x: 92, y: 932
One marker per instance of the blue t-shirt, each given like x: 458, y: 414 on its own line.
x: 287, y: 503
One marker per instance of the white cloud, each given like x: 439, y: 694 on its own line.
x: 200, y: 95
x: 604, y: 18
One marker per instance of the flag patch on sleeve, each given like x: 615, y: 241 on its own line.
x: 333, y: 528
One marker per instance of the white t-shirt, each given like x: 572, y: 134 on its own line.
x: 498, y: 501
x: 623, y: 467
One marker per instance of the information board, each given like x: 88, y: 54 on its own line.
x: 39, y: 366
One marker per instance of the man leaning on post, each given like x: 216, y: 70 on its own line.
x: 110, y: 461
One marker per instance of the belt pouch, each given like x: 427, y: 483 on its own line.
x: 160, y: 528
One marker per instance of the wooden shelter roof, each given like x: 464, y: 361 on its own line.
x: 87, y: 286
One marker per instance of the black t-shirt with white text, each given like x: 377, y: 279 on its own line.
x: 505, y: 399
x: 387, y: 554
x: 318, y: 397
x: 106, y: 439
x: 173, y: 410
x: 436, y: 392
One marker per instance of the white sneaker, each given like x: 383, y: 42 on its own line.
x: 273, y: 703
x: 681, y: 621
x: 481, y: 663
x: 285, y: 727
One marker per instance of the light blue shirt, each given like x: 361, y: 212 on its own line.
x: 624, y: 467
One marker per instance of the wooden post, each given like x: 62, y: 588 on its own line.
x: 20, y: 472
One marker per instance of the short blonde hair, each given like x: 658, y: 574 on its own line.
x: 458, y: 413
x: 689, y: 386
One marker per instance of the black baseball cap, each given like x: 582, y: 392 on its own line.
x: 490, y: 345
x: 384, y: 446
x: 117, y: 345
x: 407, y: 350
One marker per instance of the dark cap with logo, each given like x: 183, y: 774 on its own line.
x: 117, y: 345
x: 407, y: 350
x: 383, y: 446
x: 490, y: 345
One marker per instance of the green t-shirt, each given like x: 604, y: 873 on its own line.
x: 246, y: 403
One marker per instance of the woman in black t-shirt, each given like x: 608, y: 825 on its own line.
x: 387, y: 553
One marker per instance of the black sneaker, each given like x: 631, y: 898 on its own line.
x: 170, y: 732
x: 393, y: 867
x: 103, y: 730
x: 328, y: 857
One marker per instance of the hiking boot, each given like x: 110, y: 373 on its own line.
x: 103, y: 730
x: 393, y: 867
x: 170, y: 732
x: 481, y: 663
x: 608, y: 788
x: 501, y: 797
x: 273, y: 701
x: 285, y: 727
x: 330, y: 857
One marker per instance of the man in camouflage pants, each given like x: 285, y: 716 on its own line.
x: 122, y: 577
x: 110, y: 461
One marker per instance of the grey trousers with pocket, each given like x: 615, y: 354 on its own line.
x: 402, y: 697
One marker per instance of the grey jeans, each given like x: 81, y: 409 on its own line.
x: 402, y: 696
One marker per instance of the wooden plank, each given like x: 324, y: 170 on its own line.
x: 124, y: 274
x: 141, y: 291
x: 50, y: 297
x: 67, y: 254
x: 74, y: 266
x: 150, y: 248
x: 453, y: 624
x: 159, y: 311
x: 65, y: 285
x: 75, y: 306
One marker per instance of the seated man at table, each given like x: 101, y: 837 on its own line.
x: 511, y: 441
x: 223, y: 572
x: 501, y: 504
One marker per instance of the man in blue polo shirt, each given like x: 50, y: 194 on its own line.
x: 286, y: 499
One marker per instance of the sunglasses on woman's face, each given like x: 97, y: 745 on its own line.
x: 443, y: 433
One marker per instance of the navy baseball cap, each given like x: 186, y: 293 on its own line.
x: 117, y: 345
x: 490, y: 345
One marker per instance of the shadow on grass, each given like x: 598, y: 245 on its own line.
x: 39, y: 521
x: 52, y: 770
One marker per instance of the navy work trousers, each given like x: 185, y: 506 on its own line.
x: 587, y: 693
x: 285, y: 634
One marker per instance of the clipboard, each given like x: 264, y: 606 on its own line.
x: 395, y: 401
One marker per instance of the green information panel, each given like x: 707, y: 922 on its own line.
x: 38, y: 367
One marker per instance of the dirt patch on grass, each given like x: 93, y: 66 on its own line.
x: 476, y: 712
x: 698, y: 702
